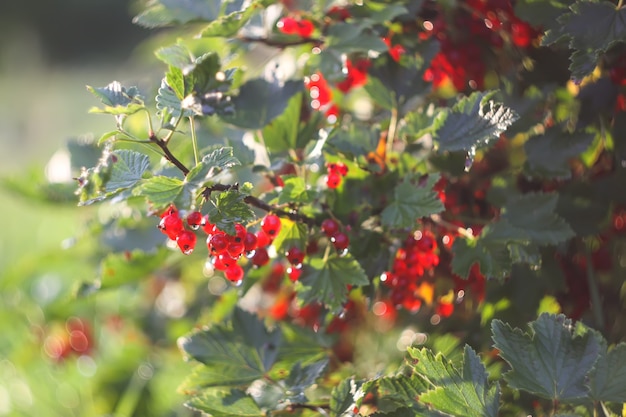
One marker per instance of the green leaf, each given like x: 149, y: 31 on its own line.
x: 551, y: 361
x: 493, y: 257
x: 547, y: 155
x: 161, y: 191
x: 127, y: 169
x: 608, y: 378
x: 353, y: 140
x: 260, y: 101
x: 167, y: 12
x: 117, y: 99
x: 532, y: 217
x: 228, y: 25
x: 540, y: 13
x: 169, y: 105
x: 177, y: 56
x: 380, y: 94
x: 291, y: 234
x: 123, y: 268
x: 474, y: 122
x: 223, y: 374
x: 229, y: 208
x: 346, y: 38
x: 302, y: 377
x: 241, y: 353
x: 216, y: 161
x: 398, y: 393
x: 295, y: 191
x: 417, y: 124
x: 281, y: 134
x: 591, y: 28
x: 455, y: 391
x: 225, y: 402
x: 326, y: 281
x: 410, y: 203
x: 344, y: 396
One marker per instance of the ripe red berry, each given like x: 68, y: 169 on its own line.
x: 330, y: 227
x: 295, y: 256
x: 294, y: 273
x: 223, y: 261
x: 250, y: 242
x: 171, y: 225
x: 271, y: 225
x: 261, y: 257
x: 340, y: 241
x: 235, y: 249
x: 292, y: 26
x: 218, y: 243
x: 195, y: 220
x: 263, y: 240
x: 234, y: 273
x: 333, y: 180
x: 186, y: 241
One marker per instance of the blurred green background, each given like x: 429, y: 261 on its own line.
x: 49, y: 52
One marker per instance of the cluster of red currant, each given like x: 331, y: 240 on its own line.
x: 335, y: 173
x: 73, y: 338
x: 491, y: 23
x: 417, y: 257
x: 339, y: 239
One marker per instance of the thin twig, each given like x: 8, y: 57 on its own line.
x: 168, y: 154
x: 282, y: 43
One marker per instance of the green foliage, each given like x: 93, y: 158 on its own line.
x: 313, y: 199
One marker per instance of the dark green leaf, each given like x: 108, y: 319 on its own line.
x: 474, y: 122
x: 266, y: 342
x: 326, y: 281
x: 608, y: 378
x: 591, y: 28
x: 229, y: 208
x: 417, y: 124
x: 224, y: 374
x: 260, y: 101
x: 224, y: 402
x: 344, y: 396
x: 302, y: 377
x: 493, y: 257
x: 127, y: 169
x: 345, y: 38
x: 353, y: 140
x: 410, y: 203
x: 281, y: 134
x: 548, y: 155
x: 465, y: 391
x: 540, y: 13
x: 550, y: 361
x: 380, y: 94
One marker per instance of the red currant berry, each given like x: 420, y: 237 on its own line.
x: 261, y: 257
x: 295, y: 256
x: 342, y: 168
x: 195, y: 219
x: 240, y: 232
x: 250, y: 242
x: 208, y: 227
x: 223, y: 261
x: 333, y: 180
x: 186, y: 241
x: 171, y: 225
x: 445, y: 309
x: 235, y: 249
x: 234, y: 273
x: 271, y: 225
x: 330, y: 227
x: 218, y: 243
x: 294, y: 273
x: 340, y: 241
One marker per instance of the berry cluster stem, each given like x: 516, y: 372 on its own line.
x: 167, y: 153
x: 282, y: 43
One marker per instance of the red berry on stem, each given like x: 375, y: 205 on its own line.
x: 234, y: 273
x: 295, y: 256
x: 340, y: 241
x: 330, y: 227
x: 171, y: 225
x: 261, y: 257
x: 195, y: 220
x: 271, y: 225
x: 333, y: 180
x: 250, y: 242
x: 186, y: 241
x: 218, y: 243
x: 294, y: 273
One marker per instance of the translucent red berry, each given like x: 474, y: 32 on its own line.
x: 235, y: 249
x: 218, y: 243
x: 260, y: 257
x: 271, y: 225
x: 292, y: 26
x: 263, y: 239
x: 340, y: 241
x: 295, y: 256
x: 294, y: 273
x: 333, y: 180
x: 186, y: 241
x: 234, y: 273
x: 195, y: 219
x: 250, y: 242
x: 330, y: 227
x: 171, y: 225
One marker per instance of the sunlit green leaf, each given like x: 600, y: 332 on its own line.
x: 411, y: 203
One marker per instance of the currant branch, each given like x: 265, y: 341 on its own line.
x: 260, y: 204
x: 167, y: 153
x: 282, y: 43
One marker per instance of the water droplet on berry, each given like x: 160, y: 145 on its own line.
x: 343, y: 252
x: 236, y: 283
